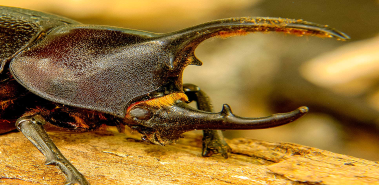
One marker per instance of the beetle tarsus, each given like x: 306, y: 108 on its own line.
x: 213, y: 140
x: 32, y: 128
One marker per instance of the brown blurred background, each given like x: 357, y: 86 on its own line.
x: 260, y: 74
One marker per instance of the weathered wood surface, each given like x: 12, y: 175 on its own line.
x: 114, y: 158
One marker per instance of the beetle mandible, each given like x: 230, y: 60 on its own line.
x: 60, y: 72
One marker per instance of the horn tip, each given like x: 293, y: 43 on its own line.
x: 303, y: 109
x: 341, y: 36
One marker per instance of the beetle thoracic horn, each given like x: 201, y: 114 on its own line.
x: 184, y: 117
x: 185, y: 41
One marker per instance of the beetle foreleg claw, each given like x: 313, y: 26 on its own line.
x: 213, y: 143
x: 32, y: 128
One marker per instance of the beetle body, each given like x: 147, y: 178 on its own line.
x: 53, y: 40
x: 98, y: 72
x: 19, y: 29
x: 61, y: 73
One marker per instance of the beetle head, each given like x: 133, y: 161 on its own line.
x: 164, y: 119
x: 153, y: 118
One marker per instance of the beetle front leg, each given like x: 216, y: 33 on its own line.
x: 32, y: 128
x: 213, y: 140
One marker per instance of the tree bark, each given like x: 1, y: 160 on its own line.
x: 109, y: 157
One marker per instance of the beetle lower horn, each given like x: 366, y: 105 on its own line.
x: 186, y: 41
x: 180, y: 117
x: 186, y: 118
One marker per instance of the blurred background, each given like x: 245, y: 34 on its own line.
x: 261, y: 74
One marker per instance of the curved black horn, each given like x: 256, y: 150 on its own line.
x: 183, y: 117
x: 184, y: 42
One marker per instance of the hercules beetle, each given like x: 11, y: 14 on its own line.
x: 59, y: 72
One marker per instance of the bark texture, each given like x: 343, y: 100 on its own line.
x: 109, y: 157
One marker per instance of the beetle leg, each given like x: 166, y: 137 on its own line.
x: 32, y: 128
x: 213, y: 140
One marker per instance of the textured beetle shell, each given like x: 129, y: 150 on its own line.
x: 20, y: 27
x: 92, y: 67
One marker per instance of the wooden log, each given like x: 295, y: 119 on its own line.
x: 115, y: 158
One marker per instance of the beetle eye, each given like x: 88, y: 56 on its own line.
x: 140, y: 113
